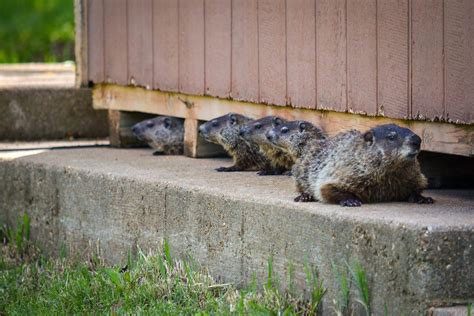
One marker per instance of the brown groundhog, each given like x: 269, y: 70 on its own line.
x: 165, y: 134
x: 299, y: 139
x: 379, y: 165
x: 224, y: 130
x: 254, y: 132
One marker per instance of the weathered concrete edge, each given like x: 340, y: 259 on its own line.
x: 235, y: 237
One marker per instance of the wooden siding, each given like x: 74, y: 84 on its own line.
x: 404, y: 59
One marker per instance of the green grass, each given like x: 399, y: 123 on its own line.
x: 36, y: 31
x: 154, y: 283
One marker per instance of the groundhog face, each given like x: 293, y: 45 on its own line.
x: 160, y: 131
x: 255, y: 131
x: 394, y: 141
x: 288, y: 135
x: 211, y: 131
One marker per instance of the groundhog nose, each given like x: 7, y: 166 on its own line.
x: 134, y: 129
x: 269, y: 135
x: 201, y: 129
x: 242, y: 131
x: 415, y: 141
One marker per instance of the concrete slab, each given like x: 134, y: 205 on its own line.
x: 49, y: 113
x: 415, y: 256
x: 37, y: 75
x: 14, y: 150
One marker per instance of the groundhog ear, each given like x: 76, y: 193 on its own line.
x: 302, y: 126
x: 167, y: 122
x: 369, y: 136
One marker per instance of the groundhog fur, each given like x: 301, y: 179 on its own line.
x: 379, y: 165
x: 299, y: 139
x: 165, y: 134
x: 225, y: 130
x: 254, y: 132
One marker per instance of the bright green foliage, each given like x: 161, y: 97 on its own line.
x: 149, y: 284
x: 360, y: 280
x: 36, y: 30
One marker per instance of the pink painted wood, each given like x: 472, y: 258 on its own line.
x: 272, y: 51
x: 362, y: 56
x: 398, y: 58
x: 459, y: 50
x: 95, y: 40
x: 427, y: 59
x: 140, y: 42
x: 116, y: 57
x: 218, y: 47
x: 244, y: 75
x: 393, y: 58
x: 191, y: 46
x: 301, y: 53
x: 331, y: 54
x: 165, y: 45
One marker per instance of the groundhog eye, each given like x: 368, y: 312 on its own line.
x: 392, y: 136
x: 214, y: 123
x: 258, y: 126
x: 284, y: 130
x: 150, y: 124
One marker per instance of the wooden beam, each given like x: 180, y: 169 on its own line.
x: 437, y: 137
x: 80, y: 17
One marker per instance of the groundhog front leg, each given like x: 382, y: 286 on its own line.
x: 271, y: 172
x: 332, y: 194
x: 229, y: 169
x: 416, y: 197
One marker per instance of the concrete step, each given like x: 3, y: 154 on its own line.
x: 40, y: 102
x: 415, y: 256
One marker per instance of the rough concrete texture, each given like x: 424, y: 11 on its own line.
x: 449, y: 311
x: 415, y: 256
x: 49, y: 113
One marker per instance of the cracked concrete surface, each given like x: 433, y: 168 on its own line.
x: 415, y: 256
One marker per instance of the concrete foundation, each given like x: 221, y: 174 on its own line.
x: 50, y: 113
x: 415, y: 256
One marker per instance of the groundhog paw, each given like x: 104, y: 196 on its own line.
x: 305, y: 197
x: 420, y: 199
x: 350, y: 203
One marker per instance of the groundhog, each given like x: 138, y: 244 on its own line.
x: 254, y: 132
x: 299, y: 139
x: 379, y: 165
x: 224, y: 131
x: 163, y: 133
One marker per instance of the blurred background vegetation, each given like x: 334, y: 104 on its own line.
x: 36, y: 31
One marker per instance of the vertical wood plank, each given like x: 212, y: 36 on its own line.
x: 140, y: 42
x: 272, y: 51
x: 165, y: 45
x: 96, y: 40
x: 427, y: 59
x: 362, y: 56
x: 245, y: 50
x: 115, y: 24
x: 301, y: 53
x: 218, y: 28
x: 191, y: 46
x: 80, y: 49
x: 393, y: 71
x: 331, y: 54
x: 459, y: 50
